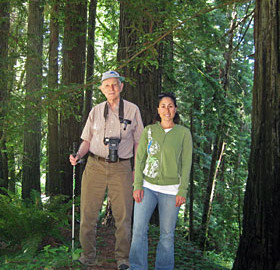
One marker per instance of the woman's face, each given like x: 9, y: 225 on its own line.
x: 166, y: 109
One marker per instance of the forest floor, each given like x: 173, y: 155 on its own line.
x: 54, y: 255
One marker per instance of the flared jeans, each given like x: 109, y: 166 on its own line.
x: 168, y: 213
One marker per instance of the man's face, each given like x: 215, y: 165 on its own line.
x: 111, y: 88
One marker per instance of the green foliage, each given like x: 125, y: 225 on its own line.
x: 199, y: 53
x: 106, y: 35
x: 193, y: 62
x: 48, y: 258
x: 24, y: 225
x: 187, y: 255
x: 26, y: 228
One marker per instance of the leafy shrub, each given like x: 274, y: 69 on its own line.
x: 48, y: 258
x: 23, y: 225
x: 187, y: 255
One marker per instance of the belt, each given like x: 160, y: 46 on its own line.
x: 106, y: 159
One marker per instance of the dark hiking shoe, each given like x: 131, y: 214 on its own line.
x: 123, y: 267
x: 86, y: 262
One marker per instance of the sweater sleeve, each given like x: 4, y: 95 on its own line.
x: 186, y: 159
x: 141, y: 157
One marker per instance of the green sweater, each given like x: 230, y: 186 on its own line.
x: 164, y: 158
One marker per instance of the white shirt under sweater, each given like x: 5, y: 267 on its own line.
x: 169, y: 189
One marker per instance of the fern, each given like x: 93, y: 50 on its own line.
x: 25, y: 224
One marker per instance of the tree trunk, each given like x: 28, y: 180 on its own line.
x: 53, y: 179
x: 32, y: 112
x: 260, y: 241
x: 12, y: 84
x: 144, y: 82
x: 90, y: 58
x: 4, y: 35
x: 191, y: 189
x: 168, y: 79
x: 209, y: 196
x: 74, y: 45
x: 236, y: 182
x: 12, y: 171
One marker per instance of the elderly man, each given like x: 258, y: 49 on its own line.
x: 111, y: 134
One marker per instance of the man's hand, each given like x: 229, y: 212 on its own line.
x: 180, y: 200
x: 138, y: 195
x: 73, y: 160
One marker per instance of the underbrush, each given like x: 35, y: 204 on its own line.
x: 38, y: 236
x: 187, y: 255
x: 48, y: 258
x: 30, y: 229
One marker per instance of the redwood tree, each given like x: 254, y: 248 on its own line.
x: 53, y: 180
x: 4, y: 34
x: 32, y: 112
x: 260, y: 241
x: 74, y: 45
x: 90, y: 58
x: 144, y: 81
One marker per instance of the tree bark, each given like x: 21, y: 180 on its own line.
x: 209, y: 196
x: 191, y: 189
x: 4, y: 35
x: 32, y: 112
x: 168, y: 78
x: 143, y: 82
x: 90, y: 58
x: 74, y: 45
x: 53, y: 186
x: 259, y: 244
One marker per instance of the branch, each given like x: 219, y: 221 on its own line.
x: 206, y: 10
x: 96, y: 81
x: 246, y: 30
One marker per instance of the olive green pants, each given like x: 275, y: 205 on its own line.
x: 117, y: 178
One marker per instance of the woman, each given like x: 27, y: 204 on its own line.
x: 163, y: 163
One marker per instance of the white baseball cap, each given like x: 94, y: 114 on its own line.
x: 111, y: 74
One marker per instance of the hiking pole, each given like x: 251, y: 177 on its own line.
x: 73, y: 198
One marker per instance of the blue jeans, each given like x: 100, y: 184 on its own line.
x: 168, y: 213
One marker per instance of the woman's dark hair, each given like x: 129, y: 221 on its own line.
x: 176, y: 119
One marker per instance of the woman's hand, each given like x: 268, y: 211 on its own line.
x: 180, y: 200
x: 138, y: 195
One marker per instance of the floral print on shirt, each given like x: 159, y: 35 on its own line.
x: 152, y: 164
